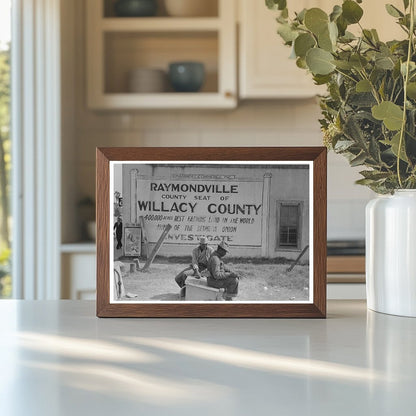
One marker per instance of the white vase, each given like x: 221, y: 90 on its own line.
x: 391, y: 253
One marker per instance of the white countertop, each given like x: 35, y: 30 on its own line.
x: 57, y: 358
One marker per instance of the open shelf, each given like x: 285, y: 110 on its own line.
x: 87, y: 247
x: 210, y: 9
x: 167, y: 100
x: 127, y: 51
x: 116, y: 46
x: 160, y: 24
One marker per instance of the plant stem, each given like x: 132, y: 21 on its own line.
x: 373, y: 88
x: 406, y: 79
x: 346, y: 75
x: 392, y: 91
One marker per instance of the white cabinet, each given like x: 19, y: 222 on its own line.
x: 118, y: 45
x: 78, y: 263
x: 265, y: 69
x: 264, y: 66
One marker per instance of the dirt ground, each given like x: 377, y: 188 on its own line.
x: 259, y: 281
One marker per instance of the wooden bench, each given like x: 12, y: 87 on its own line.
x: 197, y: 289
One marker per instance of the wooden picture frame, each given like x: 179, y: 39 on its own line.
x: 243, y: 187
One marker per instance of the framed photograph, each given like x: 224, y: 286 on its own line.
x: 211, y: 232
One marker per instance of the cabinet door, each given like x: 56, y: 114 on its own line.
x: 266, y: 71
x: 78, y: 276
x: 265, y: 68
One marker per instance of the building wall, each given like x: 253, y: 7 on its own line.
x: 265, y: 186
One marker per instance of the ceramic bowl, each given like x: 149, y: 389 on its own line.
x: 186, y: 76
x: 135, y: 8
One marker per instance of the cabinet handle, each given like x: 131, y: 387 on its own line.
x: 229, y: 94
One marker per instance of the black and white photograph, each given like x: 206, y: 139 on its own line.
x: 211, y: 232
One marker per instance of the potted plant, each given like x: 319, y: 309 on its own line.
x: 368, y: 116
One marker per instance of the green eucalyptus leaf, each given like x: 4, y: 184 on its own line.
x: 325, y: 42
x: 303, y: 43
x: 351, y: 11
x: 270, y: 4
x: 363, y: 86
x: 365, y: 182
x: 300, y: 28
x: 405, y: 21
x: 382, y: 89
x: 403, y: 68
x: 281, y: 19
x: 370, y: 55
x: 316, y: 20
x: 301, y: 15
x: 411, y: 123
x: 374, y: 150
x: 374, y: 174
x: 301, y: 63
x: 347, y: 37
x: 385, y: 50
x: 321, y: 79
x: 384, y: 62
x: 381, y: 187
x: 397, y: 46
x: 393, y: 11
x: 282, y: 4
x: 406, y: 4
x: 394, y: 145
x: 336, y: 12
x: 388, y: 112
x: 411, y: 90
x: 343, y: 145
x: 342, y: 25
x: 287, y: 33
x: 276, y: 4
x: 334, y: 91
x: 412, y: 68
x: 285, y: 13
x: 319, y: 61
x: 368, y: 36
x: 358, y: 160
x: 358, y: 61
x: 375, y: 35
x: 333, y: 32
x: 354, y: 132
x: 361, y: 100
x: 344, y: 65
